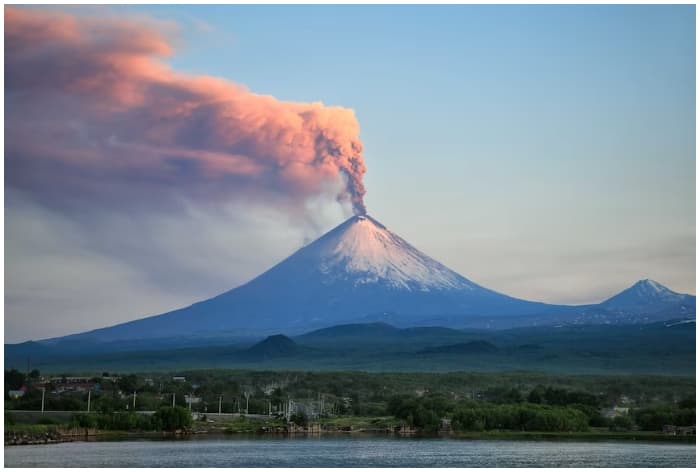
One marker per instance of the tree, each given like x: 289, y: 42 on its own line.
x: 536, y: 395
x: 299, y: 419
x: 621, y: 423
x: 504, y: 395
x: 688, y: 402
x: 14, y: 379
x: 128, y: 383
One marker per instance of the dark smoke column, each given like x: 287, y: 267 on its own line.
x: 356, y: 188
x: 343, y: 151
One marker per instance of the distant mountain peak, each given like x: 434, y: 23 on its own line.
x: 650, y: 296
x: 650, y: 289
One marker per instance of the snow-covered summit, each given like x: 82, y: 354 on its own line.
x: 651, y: 288
x: 368, y: 252
x: 648, y: 289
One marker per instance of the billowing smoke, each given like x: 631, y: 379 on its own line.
x: 92, y: 114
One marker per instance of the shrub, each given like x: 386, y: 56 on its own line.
x: 621, y: 423
x: 83, y: 420
x: 47, y: 420
x: 170, y: 419
x: 299, y: 419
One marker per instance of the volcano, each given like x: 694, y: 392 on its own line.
x: 359, y: 272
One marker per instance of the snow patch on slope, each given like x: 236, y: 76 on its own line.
x: 364, y: 249
x: 652, y: 289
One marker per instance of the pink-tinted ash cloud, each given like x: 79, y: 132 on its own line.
x: 93, y: 112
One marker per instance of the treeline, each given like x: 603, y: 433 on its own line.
x: 543, y: 409
x: 164, y: 419
x: 429, y: 411
x: 519, y: 417
x: 369, y: 392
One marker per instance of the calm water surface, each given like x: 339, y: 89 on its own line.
x: 349, y: 452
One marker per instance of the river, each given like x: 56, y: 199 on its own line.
x: 349, y: 452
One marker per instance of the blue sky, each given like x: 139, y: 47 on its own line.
x: 547, y: 152
x: 574, y: 125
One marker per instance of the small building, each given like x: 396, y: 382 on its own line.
x: 685, y: 431
x: 192, y: 400
x: 625, y: 400
x: 615, y: 411
x: 445, y: 425
x: 76, y: 386
x: 15, y: 393
x: 673, y: 430
x: 179, y: 379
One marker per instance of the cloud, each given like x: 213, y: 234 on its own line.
x: 71, y: 272
x: 93, y: 113
x: 132, y: 189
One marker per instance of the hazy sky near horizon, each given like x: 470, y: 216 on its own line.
x: 547, y: 152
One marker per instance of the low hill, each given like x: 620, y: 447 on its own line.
x: 271, y: 347
x: 666, y: 348
x: 472, y: 347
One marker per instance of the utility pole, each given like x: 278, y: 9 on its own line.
x: 43, y: 394
x: 134, y: 403
x: 220, y: 404
x: 89, y: 392
x: 269, y: 408
x: 247, y: 395
x: 173, y: 400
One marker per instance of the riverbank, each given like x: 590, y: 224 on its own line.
x: 20, y: 435
x: 389, y: 425
x: 24, y: 435
x: 576, y: 436
x: 49, y: 434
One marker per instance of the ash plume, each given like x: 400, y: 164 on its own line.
x: 93, y: 114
